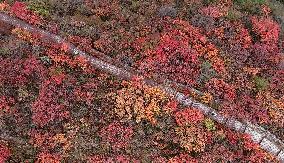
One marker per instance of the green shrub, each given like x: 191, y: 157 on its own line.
x: 39, y: 6
x: 246, y: 2
x: 4, y: 51
x: 250, y: 6
x: 232, y: 15
x: 260, y: 83
x: 209, y: 124
x: 207, y: 72
x: 207, y: 2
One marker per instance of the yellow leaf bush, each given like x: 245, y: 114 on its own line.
x: 138, y: 101
x: 191, y: 138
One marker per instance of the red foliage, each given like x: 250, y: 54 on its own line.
x: 21, y: 11
x: 188, y: 116
x: 117, y: 135
x: 59, y: 54
x: 181, y: 158
x: 173, y: 58
x: 248, y: 143
x: 85, y: 44
x: 5, y: 103
x: 201, y: 44
x: 113, y: 159
x: 256, y: 155
x: 17, y: 71
x: 85, y: 92
x: 242, y: 36
x: 48, y: 106
x: 45, y: 157
x: 221, y: 89
x: 40, y: 140
x: 248, y: 108
x: 277, y: 83
x: 5, y: 153
x: 171, y: 106
x: 211, y: 11
x: 267, y: 29
x: 32, y: 65
x: 232, y: 137
x: 265, y: 55
x: 9, y: 70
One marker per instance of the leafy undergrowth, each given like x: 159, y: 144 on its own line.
x: 53, y: 112
x: 55, y: 107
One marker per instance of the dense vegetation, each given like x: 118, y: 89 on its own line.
x: 55, y: 107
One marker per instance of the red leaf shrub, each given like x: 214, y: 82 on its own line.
x: 221, y: 89
x: 171, y: 106
x: 5, y: 153
x: 48, y: 106
x: 264, y: 55
x: 188, y: 116
x: 232, y: 137
x: 113, y: 159
x: 183, y: 157
x: 9, y: 70
x: 247, y: 108
x: 267, y: 29
x: 117, y: 135
x: 18, y: 71
x: 200, y: 43
x: 5, y: 103
x: 173, y: 58
x: 45, y: 157
x: 84, y: 44
x: 277, y: 83
x: 21, y: 11
x: 211, y: 11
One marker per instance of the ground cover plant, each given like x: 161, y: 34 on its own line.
x: 56, y: 107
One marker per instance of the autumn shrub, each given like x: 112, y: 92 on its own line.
x: 5, y: 153
x: 174, y: 59
x: 171, y: 107
x: 64, y: 108
x: 51, y: 104
x: 275, y: 108
x: 260, y: 83
x: 267, y: 29
x: 276, y: 84
x: 40, y: 7
x: 212, y: 11
x: 188, y: 116
x: 21, y: 10
x: 178, y: 53
x: 19, y: 70
x: 117, y: 135
x: 47, y: 157
x: 140, y: 102
x: 191, y: 138
x: 250, y: 108
x: 221, y: 89
x: 183, y: 157
x: 256, y: 154
x: 264, y: 55
x: 116, y: 158
x: 6, y: 103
